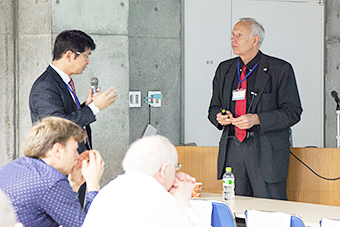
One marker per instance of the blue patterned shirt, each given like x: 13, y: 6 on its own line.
x: 41, y: 195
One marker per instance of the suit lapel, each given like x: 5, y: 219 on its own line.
x: 228, y: 83
x: 261, y: 81
x: 62, y: 86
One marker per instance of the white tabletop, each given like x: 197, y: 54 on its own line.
x: 310, y: 213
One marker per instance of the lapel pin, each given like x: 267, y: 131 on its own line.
x: 265, y: 69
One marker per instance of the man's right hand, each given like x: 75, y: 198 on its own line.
x: 105, y: 99
x: 224, y: 119
x: 93, y: 170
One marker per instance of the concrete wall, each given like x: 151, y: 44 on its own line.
x: 332, y: 69
x: 107, y: 23
x: 34, y: 47
x: 8, y: 81
x: 155, y: 50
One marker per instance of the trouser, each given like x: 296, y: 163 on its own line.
x: 82, y: 194
x: 244, y: 160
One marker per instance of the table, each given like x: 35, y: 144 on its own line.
x: 302, y: 184
x: 310, y: 213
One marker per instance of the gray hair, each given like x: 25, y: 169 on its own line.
x: 148, y: 154
x: 256, y: 28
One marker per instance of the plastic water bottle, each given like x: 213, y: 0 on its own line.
x: 228, y: 185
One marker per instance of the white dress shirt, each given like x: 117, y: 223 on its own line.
x: 137, y: 199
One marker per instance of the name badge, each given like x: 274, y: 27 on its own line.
x: 239, y: 94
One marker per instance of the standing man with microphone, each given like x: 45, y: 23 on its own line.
x: 255, y: 101
x: 53, y: 93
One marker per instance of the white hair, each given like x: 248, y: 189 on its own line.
x: 256, y: 28
x: 149, y: 154
x: 7, y: 215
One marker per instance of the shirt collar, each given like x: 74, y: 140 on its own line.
x: 61, y: 73
x: 253, y: 62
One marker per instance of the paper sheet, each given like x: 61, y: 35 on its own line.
x: 330, y: 223
x: 203, y: 209
x: 257, y: 218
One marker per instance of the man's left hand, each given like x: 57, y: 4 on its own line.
x: 76, y: 178
x: 90, y: 97
x: 246, y: 121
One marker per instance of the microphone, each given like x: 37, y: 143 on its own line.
x: 334, y: 94
x: 253, y: 93
x: 94, y: 84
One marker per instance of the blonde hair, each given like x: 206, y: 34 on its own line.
x: 49, y: 131
x: 149, y: 154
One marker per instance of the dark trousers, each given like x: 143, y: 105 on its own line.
x: 82, y: 190
x: 82, y: 194
x: 244, y: 159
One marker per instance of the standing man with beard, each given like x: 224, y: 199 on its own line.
x: 53, y: 93
x: 255, y: 101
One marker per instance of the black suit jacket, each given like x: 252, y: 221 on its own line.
x: 277, y: 105
x: 50, y: 96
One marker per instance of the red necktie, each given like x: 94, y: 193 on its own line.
x: 241, y: 105
x: 71, y: 83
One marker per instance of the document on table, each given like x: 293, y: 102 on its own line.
x: 257, y: 218
x: 330, y: 223
x: 203, y: 210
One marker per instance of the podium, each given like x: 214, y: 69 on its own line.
x: 302, y: 184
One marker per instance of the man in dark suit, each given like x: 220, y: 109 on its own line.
x: 255, y: 101
x: 53, y: 93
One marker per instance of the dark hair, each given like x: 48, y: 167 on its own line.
x: 74, y: 40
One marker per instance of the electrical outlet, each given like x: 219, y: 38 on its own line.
x: 156, y: 98
x: 135, y: 99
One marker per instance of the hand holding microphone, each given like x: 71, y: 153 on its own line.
x: 94, y: 84
x: 101, y: 100
x: 105, y: 99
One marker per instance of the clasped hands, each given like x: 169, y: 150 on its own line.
x: 182, y: 188
x: 89, y: 168
x: 245, y: 121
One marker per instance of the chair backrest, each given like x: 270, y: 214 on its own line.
x: 222, y: 215
x: 295, y: 220
x: 325, y: 222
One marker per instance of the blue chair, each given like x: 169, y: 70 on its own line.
x: 325, y: 222
x: 222, y: 215
x: 295, y: 221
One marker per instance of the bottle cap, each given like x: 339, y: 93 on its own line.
x: 228, y: 169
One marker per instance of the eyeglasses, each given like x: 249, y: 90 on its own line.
x: 178, y: 166
x: 86, y: 56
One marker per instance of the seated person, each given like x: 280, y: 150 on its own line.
x: 149, y: 193
x: 7, y: 214
x: 37, y: 185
